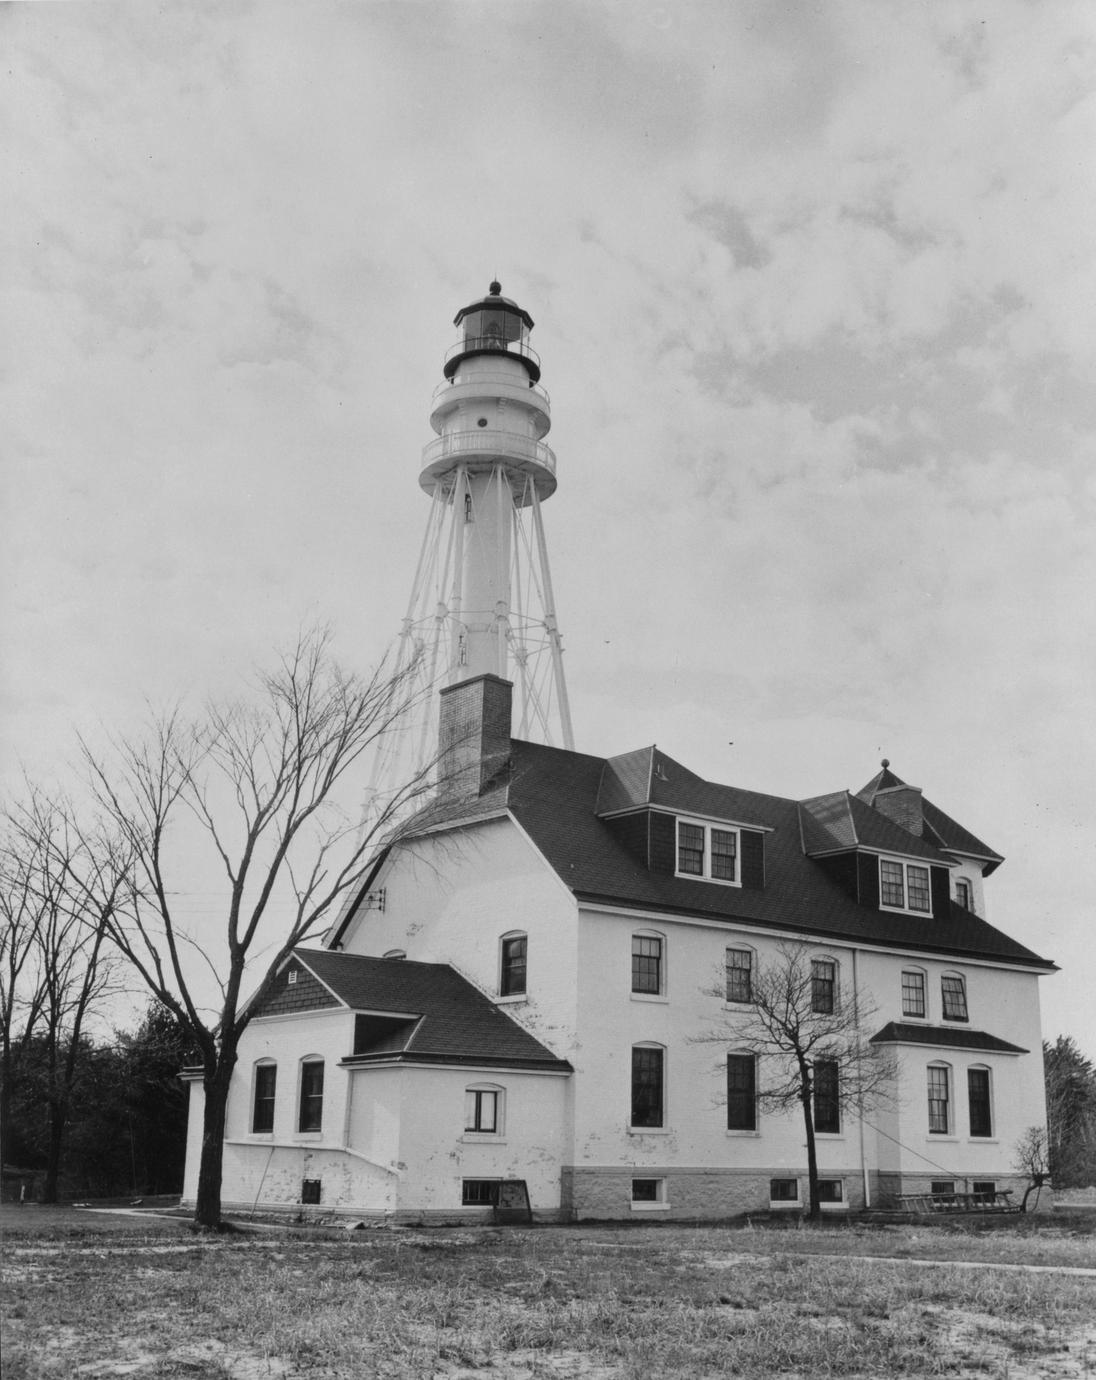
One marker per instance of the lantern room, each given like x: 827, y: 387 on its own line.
x: 493, y: 325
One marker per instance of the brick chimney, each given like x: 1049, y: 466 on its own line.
x: 473, y: 735
x: 902, y: 805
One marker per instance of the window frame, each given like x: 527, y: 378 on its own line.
x: 786, y: 1203
x: 649, y: 937
x: 954, y: 977
x: 817, y: 985
x: 728, y: 968
x: 923, y: 1014
x: 986, y: 1072
x: 660, y: 1201
x: 834, y: 1097
x: 471, y: 1188
x: 743, y: 1057
x: 263, y: 1067
x: 310, y: 1100
x: 947, y: 1102
x: 962, y: 884
x: 508, y: 967
x: 905, y: 908
x: 647, y: 1047
x: 706, y: 874
x: 838, y: 1201
x: 477, y: 1097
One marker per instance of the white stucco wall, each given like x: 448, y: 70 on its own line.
x: 450, y: 897
x: 612, y: 1019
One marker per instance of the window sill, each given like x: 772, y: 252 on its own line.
x: 482, y: 1138
x: 648, y: 1130
x: 650, y: 1207
x: 905, y: 910
x: 829, y: 1135
x: 650, y: 996
x: 785, y: 1206
x: 983, y: 1140
x: 940, y: 1138
x: 734, y: 1134
x: 712, y: 881
x: 512, y: 999
x: 308, y: 1135
x: 956, y: 1020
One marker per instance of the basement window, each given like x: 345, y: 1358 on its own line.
x: 479, y: 1192
x: 984, y: 1189
x: 649, y: 1195
x: 831, y: 1192
x: 784, y: 1192
x: 310, y: 1190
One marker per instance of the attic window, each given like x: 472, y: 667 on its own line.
x: 904, y: 886
x: 292, y: 976
x: 708, y: 851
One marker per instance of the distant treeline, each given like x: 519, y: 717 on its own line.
x: 124, y: 1116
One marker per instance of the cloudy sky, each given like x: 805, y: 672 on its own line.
x: 813, y: 286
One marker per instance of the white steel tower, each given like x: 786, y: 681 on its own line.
x: 482, y: 598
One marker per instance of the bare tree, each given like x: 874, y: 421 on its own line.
x: 810, y: 1043
x: 57, y: 969
x: 1031, y: 1156
x: 258, y: 785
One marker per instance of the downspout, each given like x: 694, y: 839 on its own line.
x: 860, y: 1108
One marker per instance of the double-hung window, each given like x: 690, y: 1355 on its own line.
x: 827, y: 1096
x: 515, y: 950
x: 953, y: 993
x: 741, y: 1092
x: 648, y: 1091
x: 823, y: 986
x: 266, y: 1077
x: 978, y: 1101
x: 311, y: 1111
x: 647, y: 974
x: 939, y: 1089
x: 913, y: 993
x: 904, y: 886
x: 740, y: 975
x: 706, y: 850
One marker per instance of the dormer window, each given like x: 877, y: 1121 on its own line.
x: 904, y: 886
x: 962, y: 894
x: 708, y: 851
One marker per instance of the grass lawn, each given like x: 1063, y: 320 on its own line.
x: 87, y: 1296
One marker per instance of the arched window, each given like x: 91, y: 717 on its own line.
x: 311, y: 1105
x: 483, y: 1109
x: 262, y: 1102
x: 914, y: 992
x: 980, y: 1100
x: 939, y: 1096
x: 741, y: 967
x: 826, y: 1096
x: 824, y: 986
x: 648, y: 963
x: 741, y: 1091
x: 513, y: 963
x: 953, y: 996
x: 648, y: 1086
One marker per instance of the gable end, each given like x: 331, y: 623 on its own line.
x: 286, y: 993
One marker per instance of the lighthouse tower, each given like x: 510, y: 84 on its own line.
x: 482, y: 598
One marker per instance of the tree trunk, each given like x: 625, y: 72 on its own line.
x: 58, y: 1121
x: 207, y: 1209
x: 814, y: 1210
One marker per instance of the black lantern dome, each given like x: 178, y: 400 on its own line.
x: 495, y: 324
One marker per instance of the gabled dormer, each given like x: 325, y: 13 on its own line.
x: 674, y: 823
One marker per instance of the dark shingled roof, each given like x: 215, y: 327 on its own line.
x: 448, y: 1020
x: 940, y: 828
x: 554, y: 794
x: 904, y: 1033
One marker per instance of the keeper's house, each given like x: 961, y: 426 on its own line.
x: 514, y: 993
